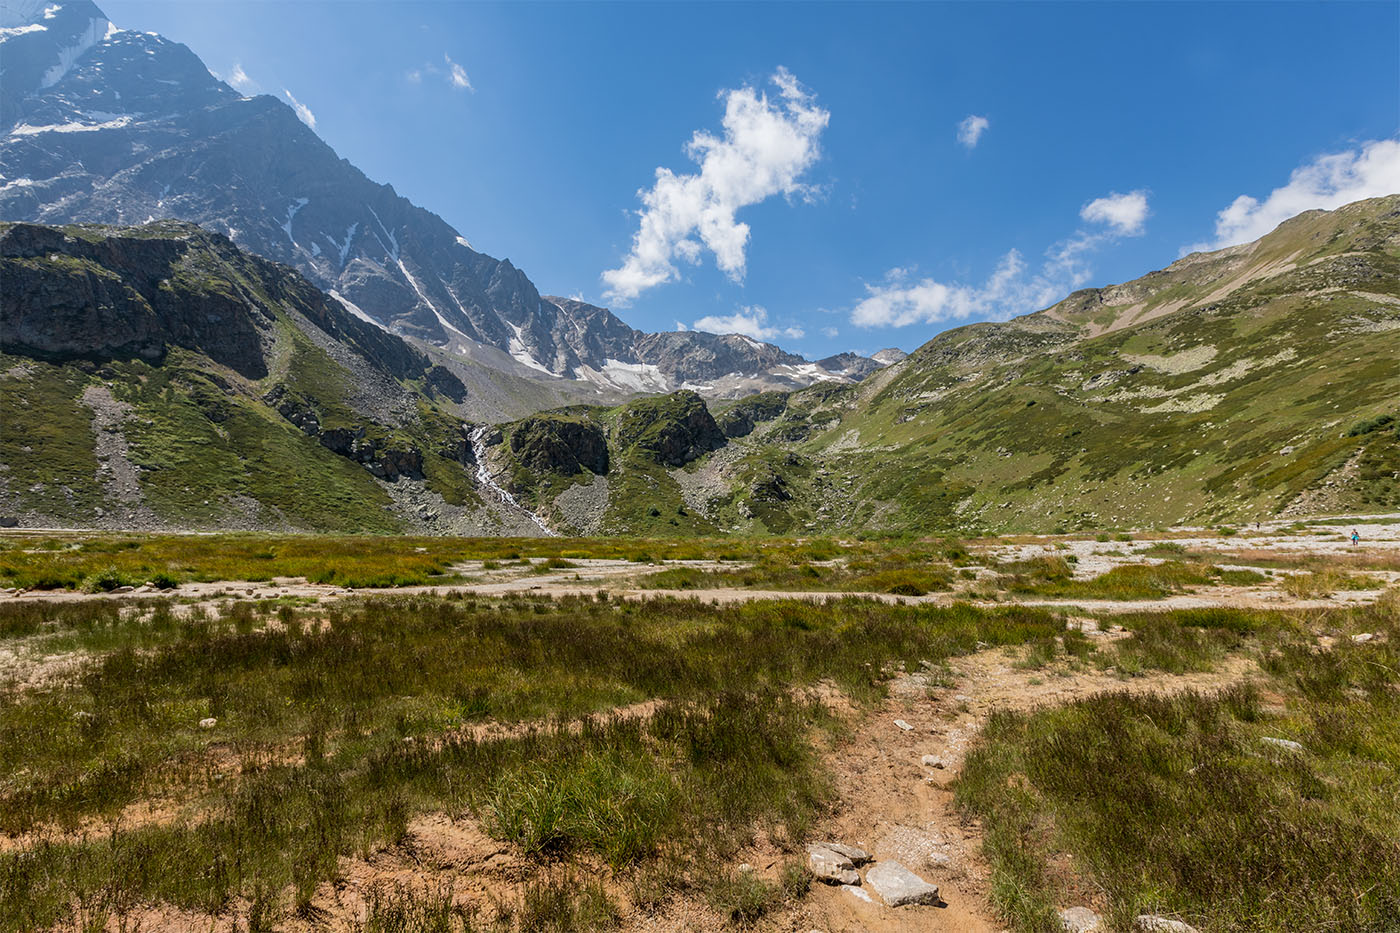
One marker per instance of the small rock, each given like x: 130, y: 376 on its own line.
x: 903, y: 725
x: 124, y: 589
x: 898, y: 886
x: 857, y: 856
x: 1362, y: 638
x: 1151, y: 923
x: 857, y: 893
x: 745, y: 869
x: 1283, y: 743
x: 830, y: 867
x: 932, y: 761
x: 963, y: 698
x: 209, y: 723
x: 1079, y: 920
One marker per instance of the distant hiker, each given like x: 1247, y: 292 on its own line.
x: 1355, y: 538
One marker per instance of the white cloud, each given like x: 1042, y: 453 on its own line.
x: 970, y: 130
x: 766, y: 147
x: 457, y: 75
x: 239, y: 79
x: 830, y: 332
x: 1125, y: 214
x: 1010, y: 289
x: 454, y: 74
x: 303, y: 111
x: 749, y: 321
x: 1326, y: 183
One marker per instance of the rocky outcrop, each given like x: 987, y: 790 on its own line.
x: 672, y: 430
x: 742, y: 417
x: 83, y: 293
x: 545, y: 444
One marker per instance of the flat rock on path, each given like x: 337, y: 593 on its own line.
x: 831, y: 867
x: 898, y: 886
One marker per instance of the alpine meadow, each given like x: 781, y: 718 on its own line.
x: 822, y: 545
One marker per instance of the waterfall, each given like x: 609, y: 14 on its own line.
x: 484, y: 478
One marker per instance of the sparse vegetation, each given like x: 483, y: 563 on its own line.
x: 1175, y: 805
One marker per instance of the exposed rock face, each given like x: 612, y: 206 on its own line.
x: 546, y: 444
x: 674, y: 430
x: 121, y: 127
x: 744, y: 416
x: 119, y: 297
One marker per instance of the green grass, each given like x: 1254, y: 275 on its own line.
x: 1174, y: 805
x: 337, y: 726
x: 1051, y: 577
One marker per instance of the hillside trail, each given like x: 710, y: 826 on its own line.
x: 895, y: 807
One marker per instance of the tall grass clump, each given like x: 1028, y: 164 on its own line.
x: 1175, y: 805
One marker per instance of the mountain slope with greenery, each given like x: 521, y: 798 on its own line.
x: 159, y: 377
x: 1250, y: 383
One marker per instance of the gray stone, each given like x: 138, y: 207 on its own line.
x: 932, y: 761
x: 1079, y: 920
x: 903, y: 725
x: 898, y: 886
x: 857, y: 856
x: 858, y: 893
x: 1151, y: 923
x: 1362, y: 638
x: 1282, y: 743
x: 830, y: 867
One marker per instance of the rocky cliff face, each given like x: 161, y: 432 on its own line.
x: 119, y: 127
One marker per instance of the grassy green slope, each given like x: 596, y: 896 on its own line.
x: 1246, y: 398
x: 208, y: 449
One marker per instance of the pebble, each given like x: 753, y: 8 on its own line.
x: 898, y: 886
x: 1362, y: 638
x: 1079, y: 920
x: 1283, y: 743
x: 903, y: 725
x: 932, y: 761
x: 209, y: 723
x: 1151, y: 923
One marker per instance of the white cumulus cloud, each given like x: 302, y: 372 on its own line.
x: 1125, y: 214
x: 970, y: 130
x: 457, y: 75
x: 1012, y: 288
x: 748, y: 321
x: 1325, y: 183
x: 239, y: 79
x: 765, y: 148
x: 303, y: 111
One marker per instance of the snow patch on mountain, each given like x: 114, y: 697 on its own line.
x: 24, y: 129
x: 292, y: 209
x: 521, y: 353
x: 344, y: 248
x: 95, y: 32
x: 9, y: 32
x: 356, y: 310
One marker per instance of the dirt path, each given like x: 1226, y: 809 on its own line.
x: 896, y: 808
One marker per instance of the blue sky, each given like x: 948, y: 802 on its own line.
x: 1114, y: 137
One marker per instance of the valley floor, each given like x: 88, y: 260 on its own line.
x: 653, y: 739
